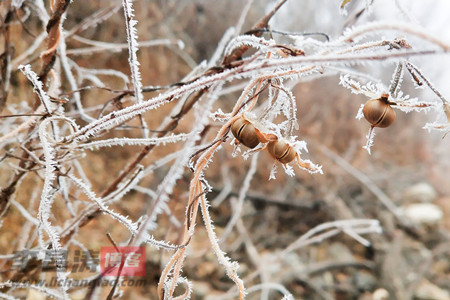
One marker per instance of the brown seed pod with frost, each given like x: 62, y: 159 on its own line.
x: 281, y: 151
x: 244, y: 131
x: 379, y: 112
x: 248, y: 134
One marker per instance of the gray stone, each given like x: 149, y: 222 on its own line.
x: 420, y: 192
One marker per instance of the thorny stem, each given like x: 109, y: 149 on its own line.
x: 133, y: 60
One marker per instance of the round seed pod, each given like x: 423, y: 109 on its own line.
x: 379, y: 113
x: 244, y: 132
x: 281, y: 151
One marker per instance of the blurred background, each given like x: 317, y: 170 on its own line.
x: 408, y: 166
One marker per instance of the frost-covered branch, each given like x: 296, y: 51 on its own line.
x: 136, y: 142
x: 38, y: 87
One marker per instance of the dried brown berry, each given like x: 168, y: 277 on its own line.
x: 281, y: 151
x: 378, y: 112
x: 244, y: 132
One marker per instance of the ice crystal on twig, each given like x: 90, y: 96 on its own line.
x: 136, y: 142
x: 369, y: 89
x: 370, y: 136
x: 37, y: 87
x: 133, y: 48
x: 288, y: 169
x: 273, y: 171
x: 47, y: 198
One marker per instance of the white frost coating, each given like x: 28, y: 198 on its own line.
x: 252, y: 69
x: 102, y: 204
x: 37, y: 86
x: 249, y: 40
x: 360, y: 113
x: 288, y: 170
x: 273, y: 171
x: 220, y: 116
x: 397, y: 79
x: 177, y: 169
x: 407, y: 104
x: 118, y: 117
x: 356, y: 33
x: 371, y: 90
x: 133, y: 48
x: 299, y: 147
x: 132, y: 227
x: 286, y: 104
x: 115, y: 47
x: 136, y: 141
x: 437, y: 126
x: 370, y: 136
x: 231, y: 267
x: 47, y: 198
x: 375, y: 91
